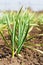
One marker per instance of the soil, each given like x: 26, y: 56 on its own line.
x: 28, y: 56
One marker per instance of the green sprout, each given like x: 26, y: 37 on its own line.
x: 18, y: 32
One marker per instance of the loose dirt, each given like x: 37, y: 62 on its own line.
x: 28, y: 56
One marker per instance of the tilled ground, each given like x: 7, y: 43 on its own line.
x: 28, y: 56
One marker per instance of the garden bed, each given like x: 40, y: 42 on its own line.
x: 27, y: 57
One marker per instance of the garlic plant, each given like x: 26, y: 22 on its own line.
x: 18, y: 32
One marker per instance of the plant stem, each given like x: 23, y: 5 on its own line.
x: 13, y: 53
